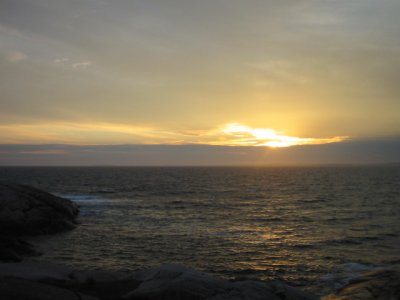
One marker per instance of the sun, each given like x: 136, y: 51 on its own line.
x: 241, y: 135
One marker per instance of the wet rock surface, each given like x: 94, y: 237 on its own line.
x: 381, y: 284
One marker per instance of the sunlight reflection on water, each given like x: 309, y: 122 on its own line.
x: 295, y: 224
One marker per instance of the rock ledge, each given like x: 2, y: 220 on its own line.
x: 27, y: 211
x: 167, y: 282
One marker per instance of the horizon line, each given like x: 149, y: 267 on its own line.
x: 360, y: 164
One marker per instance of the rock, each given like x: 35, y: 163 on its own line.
x: 12, y: 249
x: 95, y: 276
x: 99, y: 284
x: 381, y: 284
x: 288, y: 292
x: 171, y: 282
x: 167, y: 282
x: 42, y: 271
x: 36, y: 271
x: 21, y: 289
x: 25, y: 210
x: 175, y: 282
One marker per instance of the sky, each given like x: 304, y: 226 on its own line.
x: 210, y: 76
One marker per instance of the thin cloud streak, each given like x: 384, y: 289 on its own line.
x: 245, y: 136
x: 44, y: 152
x: 82, y: 65
x: 104, y: 133
x: 15, y: 56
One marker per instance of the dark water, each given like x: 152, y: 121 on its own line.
x: 314, y: 227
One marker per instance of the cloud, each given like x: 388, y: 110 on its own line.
x: 242, y: 135
x: 319, y: 68
x: 44, y: 152
x: 66, y: 61
x: 82, y: 65
x: 61, y: 60
x: 278, y: 71
x: 10, y: 31
x: 108, y: 133
x: 69, y: 63
x: 15, y: 56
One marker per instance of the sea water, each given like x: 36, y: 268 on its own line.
x: 314, y: 227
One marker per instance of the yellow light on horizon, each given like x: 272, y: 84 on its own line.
x: 246, y: 136
x: 233, y: 134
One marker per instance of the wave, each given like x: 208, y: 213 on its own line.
x: 78, y: 198
x: 351, y: 240
x: 346, y: 273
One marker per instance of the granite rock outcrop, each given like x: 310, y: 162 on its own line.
x: 27, y: 211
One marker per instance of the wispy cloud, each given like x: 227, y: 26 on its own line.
x: 69, y: 63
x: 241, y: 135
x: 274, y: 71
x: 107, y: 133
x: 44, y: 152
x: 61, y: 60
x: 82, y: 65
x: 307, y: 68
x: 15, y: 56
x: 10, y: 31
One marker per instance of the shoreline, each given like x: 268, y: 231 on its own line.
x: 174, y: 282
x: 164, y: 282
x: 167, y: 281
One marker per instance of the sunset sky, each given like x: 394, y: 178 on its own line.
x: 219, y: 74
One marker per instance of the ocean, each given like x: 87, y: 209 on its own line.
x: 314, y: 227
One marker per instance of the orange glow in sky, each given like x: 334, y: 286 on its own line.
x: 232, y: 134
x: 246, y: 136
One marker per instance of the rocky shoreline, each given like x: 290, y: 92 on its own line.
x: 26, y: 211
x: 169, y: 282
